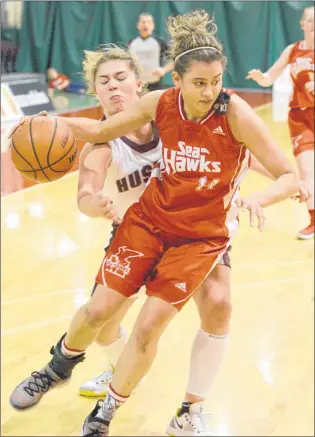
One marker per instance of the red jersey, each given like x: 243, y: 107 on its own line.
x: 192, y: 191
x: 302, y: 71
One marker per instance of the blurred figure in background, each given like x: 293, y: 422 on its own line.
x: 300, y: 57
x: 151, y: 52
x: 61, y: 82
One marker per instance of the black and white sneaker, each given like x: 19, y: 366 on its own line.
x: 192, y: 423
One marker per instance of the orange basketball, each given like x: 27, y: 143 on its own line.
x: 43, y: 148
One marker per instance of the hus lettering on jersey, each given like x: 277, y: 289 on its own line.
x: 188, y: 158
x: 119, y: 263
x: 135, y: 179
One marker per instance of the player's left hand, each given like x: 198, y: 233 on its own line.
x: 256, y: 212
x: 303, y: 194
x: 23, y: 120
x: 159, y: 72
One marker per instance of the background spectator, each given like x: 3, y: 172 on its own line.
x: 151, y: 52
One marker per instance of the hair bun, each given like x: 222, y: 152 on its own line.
x: 192, y: 30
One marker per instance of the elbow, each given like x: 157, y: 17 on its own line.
x: 267, y: 81
x: 80, y: 204
x: 84, y: 209
x: 83, y: 203
x: 86, y: 204
x: 295, y: 181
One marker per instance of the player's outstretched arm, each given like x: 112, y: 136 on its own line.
x: 303, y: 194
x: 256, y: 166
x: 268, y: 78
x: 117, y: 125
x: 248, y: 128
x: 94, y: 163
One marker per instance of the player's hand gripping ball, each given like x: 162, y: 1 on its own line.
x: 43, y: 148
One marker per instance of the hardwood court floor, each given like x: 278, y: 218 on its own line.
x: 50, y: 255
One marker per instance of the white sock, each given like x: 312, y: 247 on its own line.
x: 111, y: 404
x: 114, y: 350
x: 205, y: 360
x: 68, y: 352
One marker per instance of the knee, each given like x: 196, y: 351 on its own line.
x: 217, y: 304
x: 221, y: 305
x: 144, y: 336
x: 109, y: 333
x: 94, y: 316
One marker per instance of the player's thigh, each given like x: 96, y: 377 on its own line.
x: 301, y: 127
x: 132, y: 254
x: 152, y: 320
x: 105, y: 301
x: 182, y: 270
x: 117, y: 318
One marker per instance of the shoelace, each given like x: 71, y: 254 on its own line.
x: 198, y: 421
x: 99, y: 430
x: 104, y: 377
x: 40, y: 383
x: 96, y: 428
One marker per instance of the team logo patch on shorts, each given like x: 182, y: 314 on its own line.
x: 296, y: 140
x: 119, y: 263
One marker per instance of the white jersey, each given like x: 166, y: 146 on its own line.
x: 130, y: 170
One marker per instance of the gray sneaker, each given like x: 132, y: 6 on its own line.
x: 33, y: 388
x: 95, y: 424
x: 58, y: 371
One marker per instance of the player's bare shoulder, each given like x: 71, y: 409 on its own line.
x: 96, y: 155
x: 237, y: 110
x: 242, y: 119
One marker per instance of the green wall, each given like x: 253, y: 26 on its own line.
x: 56, y: 33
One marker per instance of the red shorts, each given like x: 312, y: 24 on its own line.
x: 171, y: 267
x: 301, y: 126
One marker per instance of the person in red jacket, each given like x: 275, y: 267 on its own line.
x: 61, y: 82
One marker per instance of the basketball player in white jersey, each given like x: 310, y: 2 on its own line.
x: 112, y: 176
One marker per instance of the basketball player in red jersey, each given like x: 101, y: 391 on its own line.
x: 300, y: 57
x: 186, y: 216
x: 212, y: 299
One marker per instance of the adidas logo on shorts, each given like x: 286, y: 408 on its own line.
x: 181, y: 286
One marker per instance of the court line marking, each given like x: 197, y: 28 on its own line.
x: 47, y: 322
x: 267, y: 266
x: 43, y: 295
x: 261, y: 107
x: 278, y: 281
x: 80, y: 289
x: 7, y: 332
